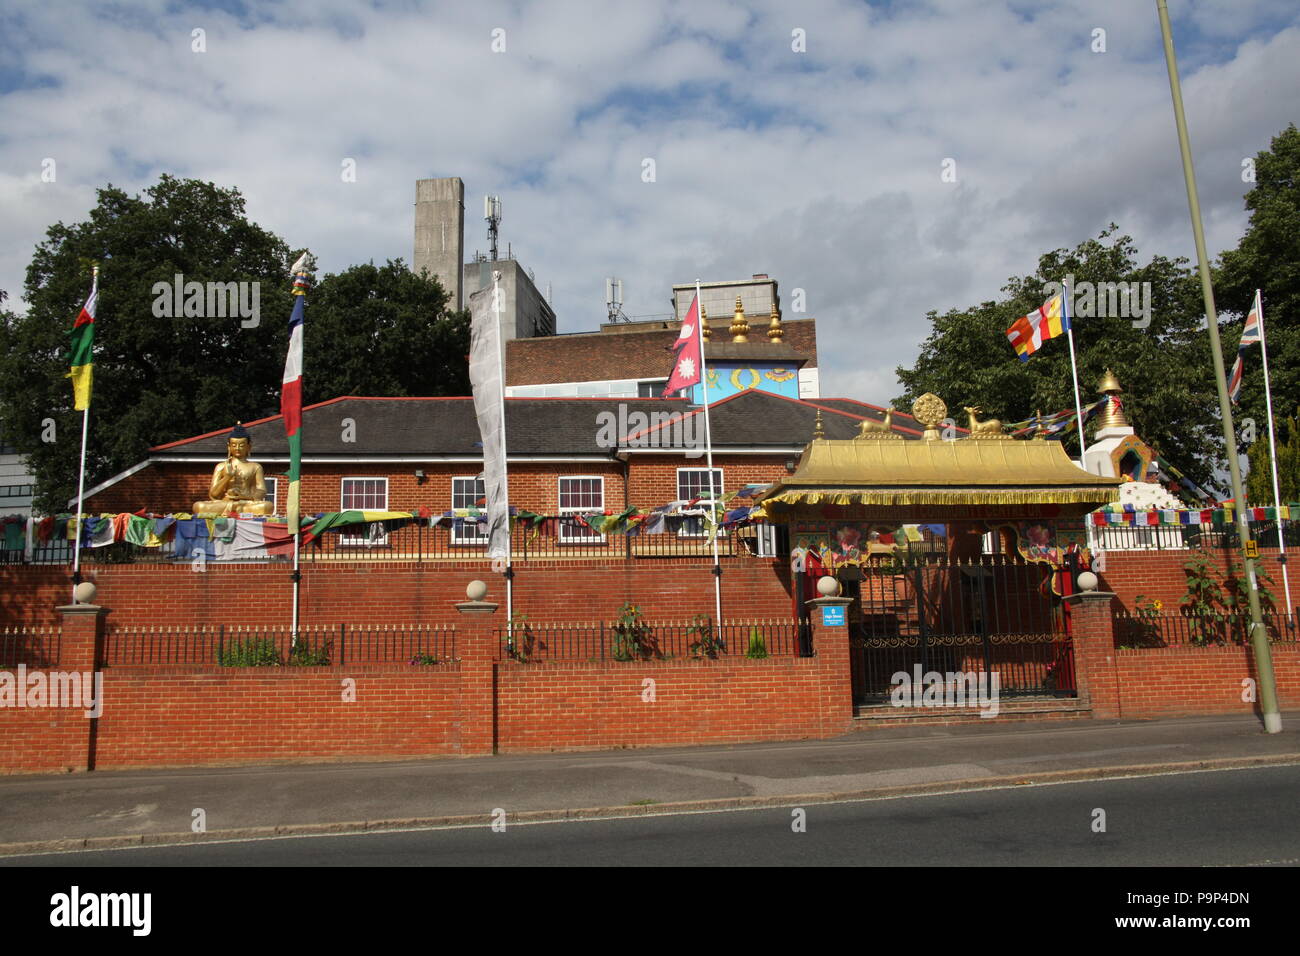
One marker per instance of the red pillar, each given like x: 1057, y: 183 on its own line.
x: 1093, y: 633
x: 80, y: 646
x: 477, y: 643
x: 831, y: 649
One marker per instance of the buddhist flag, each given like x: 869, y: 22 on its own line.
x: 1250, y: 335
x: 291, y: 391
x: 687, y: 372
x: 83, y: 343
x: 1028, y: 333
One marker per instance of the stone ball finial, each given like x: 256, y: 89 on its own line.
x: 476, y: 590
x: 827, y: 586
x: 84, y: 593
x: 1087, y: 581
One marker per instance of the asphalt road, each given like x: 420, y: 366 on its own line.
x: 1218, y: 818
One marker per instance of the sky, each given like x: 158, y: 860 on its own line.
x: 821, y: 167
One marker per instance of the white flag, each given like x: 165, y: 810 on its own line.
x: 485, y: 381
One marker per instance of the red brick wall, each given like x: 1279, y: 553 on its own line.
x: 1160, y: 575
x: 167, y: 487
x: 574, y: 706
x: 1185, y: 681
x: 174, y: 716
x: 178, y: 716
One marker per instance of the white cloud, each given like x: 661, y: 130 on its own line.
x: 820, y: 168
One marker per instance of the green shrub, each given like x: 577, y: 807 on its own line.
x: 305, y: 656
x: 757, y: 647
x: 254, y: 652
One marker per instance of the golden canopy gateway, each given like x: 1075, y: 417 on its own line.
x: 987, y: 476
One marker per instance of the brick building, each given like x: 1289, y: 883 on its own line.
x: 579, y: 454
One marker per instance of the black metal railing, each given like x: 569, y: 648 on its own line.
x: 273, y: 647
x: 557, y: 539
x: 30, y: 645
x: 990, y: 615
x: 538, y: 643
x: 1188, y: 629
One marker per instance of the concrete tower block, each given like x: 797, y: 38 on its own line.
x: 440, y: 233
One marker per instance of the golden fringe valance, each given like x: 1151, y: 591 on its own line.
x: 951, y: 496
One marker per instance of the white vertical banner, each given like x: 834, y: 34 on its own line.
x: 485, y: 377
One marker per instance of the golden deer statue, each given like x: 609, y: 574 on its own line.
x: 992, y: 428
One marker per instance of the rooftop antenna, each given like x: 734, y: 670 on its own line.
x: 492, y: 213
x: 614, y: 300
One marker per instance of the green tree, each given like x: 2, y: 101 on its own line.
x: 1268, y: 259
x: 159, y: 378
x: 1259, y: 483
x: 1164, y: 367
x: 382, y: 330
x: 156, y: 378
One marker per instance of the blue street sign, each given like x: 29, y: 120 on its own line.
x: 833, y: 615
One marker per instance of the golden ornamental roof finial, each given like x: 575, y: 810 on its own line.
x: 1038, y: 425
x: 818, y: 431
x: 739, y: 324
x: 704, y: 323
x: 1112, y: 415
x: 774, y: 330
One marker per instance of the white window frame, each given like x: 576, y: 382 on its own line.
x: 578, y: 535
x: 272, y: 494
x: 685, y: 530
x: 461, y: 534
x: 368, y: 539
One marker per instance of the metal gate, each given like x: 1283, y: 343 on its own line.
x: 990, y: 616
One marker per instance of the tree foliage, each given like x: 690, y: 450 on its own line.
x: 1259, y: 483
x: 1268, y: 259
x: 382, y: 330
x: 370, y: 330
x: 1164, y: 367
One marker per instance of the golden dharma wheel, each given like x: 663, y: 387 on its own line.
x: 929, y: 410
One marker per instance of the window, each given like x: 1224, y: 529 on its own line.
x: 580, y: 496
x: 271, y: 494
x: 651, y: 389
x: 694, y: 483
x: 467, y: 492
x: 365, y: 494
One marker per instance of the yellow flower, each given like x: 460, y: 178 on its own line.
x: 1158, y: 605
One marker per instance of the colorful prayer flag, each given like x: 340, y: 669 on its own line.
x: 291, y: 392
x: 83, y: 343
x: 1028, y: 333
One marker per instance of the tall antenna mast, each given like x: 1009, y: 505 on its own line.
x: 614, y: 300
x: 492, y: 213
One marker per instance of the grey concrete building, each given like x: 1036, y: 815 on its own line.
x: 525, y: 313
x: 440, y: 248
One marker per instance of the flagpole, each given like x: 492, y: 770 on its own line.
x: 505, y: 459
x: 1272, y: 451
x: 708, y: 450
x: 81, y: 475
x: 1074, y: 366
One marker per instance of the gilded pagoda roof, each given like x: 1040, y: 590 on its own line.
x: 994, y: 470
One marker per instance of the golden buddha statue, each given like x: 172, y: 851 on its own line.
x: 238, y: 486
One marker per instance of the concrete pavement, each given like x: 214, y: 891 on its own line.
x: 49, y: 813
